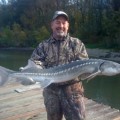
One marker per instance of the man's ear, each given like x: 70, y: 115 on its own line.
x: 68, y: 25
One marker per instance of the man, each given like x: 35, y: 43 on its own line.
x: 66, y: 98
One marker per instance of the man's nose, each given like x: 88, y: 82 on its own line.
x: 61, y: 25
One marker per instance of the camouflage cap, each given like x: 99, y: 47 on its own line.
x: 60, y: 13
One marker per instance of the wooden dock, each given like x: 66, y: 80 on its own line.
x: 28, y: 105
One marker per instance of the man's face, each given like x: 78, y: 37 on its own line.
x: 59, y: 27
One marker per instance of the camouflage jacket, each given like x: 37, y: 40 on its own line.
x: 53, y: 52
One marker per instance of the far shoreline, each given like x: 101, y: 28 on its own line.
x: 17, y: 48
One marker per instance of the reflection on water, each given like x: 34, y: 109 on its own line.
x: 103, y: 89
x: 14, y: 59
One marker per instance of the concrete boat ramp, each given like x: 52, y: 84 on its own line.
x: 19, y: 102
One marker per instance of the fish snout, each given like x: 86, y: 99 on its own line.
x: 110, y: 68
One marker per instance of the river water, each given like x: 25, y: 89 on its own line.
x: 102, y: 89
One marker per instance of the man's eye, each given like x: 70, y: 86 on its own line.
x: 58, y: 22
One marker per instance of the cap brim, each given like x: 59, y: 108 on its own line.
x: 60, y: 14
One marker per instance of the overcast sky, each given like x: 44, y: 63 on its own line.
x: 5, y: 0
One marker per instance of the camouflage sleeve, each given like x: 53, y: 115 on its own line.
x: 80, y: 50
x: 38, y: 55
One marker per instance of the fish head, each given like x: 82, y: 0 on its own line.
x: 110, y: 68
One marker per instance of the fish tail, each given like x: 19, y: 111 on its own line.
x: 4, y: 75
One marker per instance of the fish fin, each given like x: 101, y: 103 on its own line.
x: 45, y: 83
x: 29, y: 65
x: 25, y: 80
x: 91, y: 76
x: 4, y: 75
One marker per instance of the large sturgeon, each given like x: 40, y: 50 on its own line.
x: 85, y: 69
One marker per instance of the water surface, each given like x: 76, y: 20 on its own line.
x: 14, y: 59
x: 104, y: 90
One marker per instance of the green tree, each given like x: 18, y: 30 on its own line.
x: 19, y: 36
x: 6, y: 37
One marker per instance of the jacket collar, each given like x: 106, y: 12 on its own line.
x: 53, y: 40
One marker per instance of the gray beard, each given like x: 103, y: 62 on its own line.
x: 60, y: 35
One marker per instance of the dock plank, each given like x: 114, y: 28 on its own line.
x: 29, y: 105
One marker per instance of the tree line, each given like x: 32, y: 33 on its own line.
x: 25, y: 23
